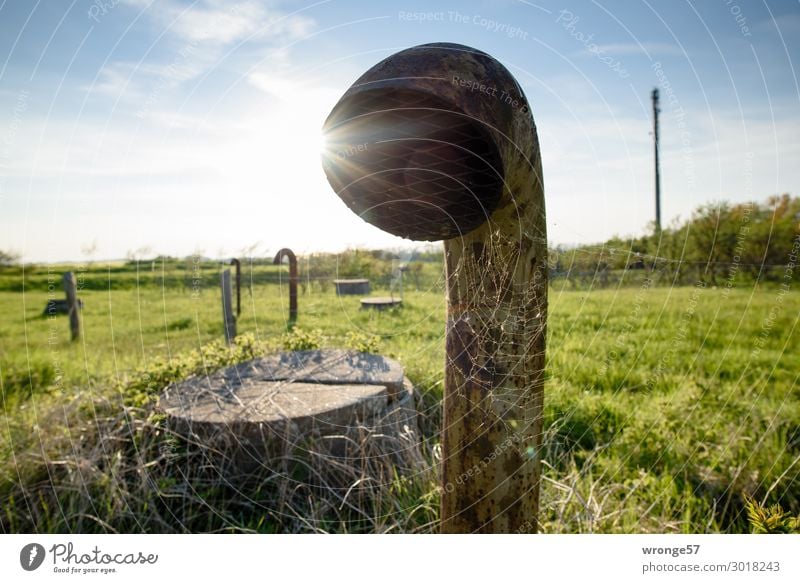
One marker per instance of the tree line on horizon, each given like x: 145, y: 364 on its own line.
x: 719, y: 243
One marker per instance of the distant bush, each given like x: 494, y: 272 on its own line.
x: 720, y: 244
x: 8, y: 257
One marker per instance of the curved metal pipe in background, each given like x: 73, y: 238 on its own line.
x: 438, y: 142
x: 286, y: 252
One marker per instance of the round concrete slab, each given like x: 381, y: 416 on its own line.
x: 320, y: 366
x: 266, y: 405
x: 381, y: 303
x: 308, y: 407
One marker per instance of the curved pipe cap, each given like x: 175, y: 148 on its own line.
x: 420, y: 145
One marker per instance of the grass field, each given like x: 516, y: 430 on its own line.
x: 666, y: 408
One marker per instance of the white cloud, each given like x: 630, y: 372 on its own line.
x: 224, y: 23
x: 130, y: 81
x: 207, y: 34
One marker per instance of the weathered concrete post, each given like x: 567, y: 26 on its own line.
x: 228, y: 319
x: 71, y: 289
x: 438, y: 142
x: 238, y: 267
x: 293, y: 279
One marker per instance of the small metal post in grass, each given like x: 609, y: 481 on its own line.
x: 441, y: 145
x: 228, y: 319
x: 71, y: 289
x: 293, y: 279
x: 238, y: 266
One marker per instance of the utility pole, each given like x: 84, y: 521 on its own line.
x: 656, y: 110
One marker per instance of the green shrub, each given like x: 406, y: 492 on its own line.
x: 147, y: 383
x: 770, y: 520
x: 23, y: 381
x: 361, y: 342
x: 299, y: 339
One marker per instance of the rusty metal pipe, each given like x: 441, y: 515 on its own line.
x: 437, y: 142
x: 293, y: 279
x: 238, y: 266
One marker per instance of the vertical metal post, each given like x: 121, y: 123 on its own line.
x: 228, y: 319
x: 238, y: 265
x: 71, y: 289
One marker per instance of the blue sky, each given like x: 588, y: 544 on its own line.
x: 194, y: 126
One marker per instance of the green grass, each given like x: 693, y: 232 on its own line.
x: 667, y: 409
